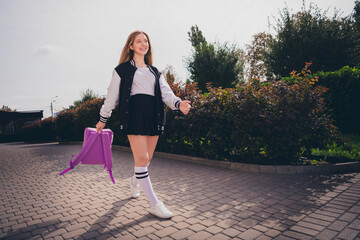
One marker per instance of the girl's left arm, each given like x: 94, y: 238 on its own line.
x: 168, y: 95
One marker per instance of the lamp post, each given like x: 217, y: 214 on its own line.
x: 51, y: 105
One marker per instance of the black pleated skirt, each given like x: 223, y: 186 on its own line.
x: 142, y: 115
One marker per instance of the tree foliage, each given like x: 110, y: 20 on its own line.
x: 311, y: 36
x: 356, y: 34
x: 255, y: 55
x: 86, y: 95
x: 196, y: 37
x: 220, y: 64
x: 7, y: 109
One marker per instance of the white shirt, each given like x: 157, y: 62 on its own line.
x: 143, y: 82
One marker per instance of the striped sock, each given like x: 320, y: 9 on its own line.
x: 134, y: 180
x: 145, y: 184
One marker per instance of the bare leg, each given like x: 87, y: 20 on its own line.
x: 143, y: 148
x: 139, y: 147
x: 151, y: 145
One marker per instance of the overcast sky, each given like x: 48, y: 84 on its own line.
x: 59, y: 48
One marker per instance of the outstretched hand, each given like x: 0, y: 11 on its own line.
x: 185, y: 106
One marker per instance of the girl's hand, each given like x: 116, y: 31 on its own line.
x: 100, y: 126
x: 185, y: 106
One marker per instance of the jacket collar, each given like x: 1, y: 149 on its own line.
x: 132, y: 62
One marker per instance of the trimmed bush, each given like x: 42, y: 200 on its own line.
x: 40, y: 130
x: 270, y: 124
x: 71, y: 123
x: 343, y: 97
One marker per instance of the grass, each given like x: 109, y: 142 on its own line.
x: 334, y: 153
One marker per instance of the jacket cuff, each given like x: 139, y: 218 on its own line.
x: 177, y: 104
x: 103, y: 119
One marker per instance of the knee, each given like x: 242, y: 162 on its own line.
x: 142, y: 161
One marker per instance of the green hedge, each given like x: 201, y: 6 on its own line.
x: 40, y: 130
x: 342, y: 97
x: 269, y: 125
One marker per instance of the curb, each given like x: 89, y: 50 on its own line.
x: 348, y: 167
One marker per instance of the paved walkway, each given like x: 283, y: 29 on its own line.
x: 208, y: 202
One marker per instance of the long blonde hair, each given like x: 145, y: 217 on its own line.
x: 127, y: 54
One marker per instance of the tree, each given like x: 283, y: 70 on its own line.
x: 170, y: 74
x: 310, y: 36
x: 356, y: 33
x: 86, y: 95
x: 7, y: 109
x: 196, y: 37
x: 255, y: 56
x: 220, y: 64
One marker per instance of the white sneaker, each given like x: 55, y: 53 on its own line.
x: 160, y: 211
x: 135, y: 191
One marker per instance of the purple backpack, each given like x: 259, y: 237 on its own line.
x: 96, y: 150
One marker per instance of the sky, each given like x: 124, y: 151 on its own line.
x: 52, y: 50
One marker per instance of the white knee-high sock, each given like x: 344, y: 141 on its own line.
x: 145, y: 184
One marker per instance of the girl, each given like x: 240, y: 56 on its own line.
x: 139, y: 90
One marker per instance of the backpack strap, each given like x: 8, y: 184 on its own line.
x: 105, y: 139
x: 71, y: 165
x: 83, y: 151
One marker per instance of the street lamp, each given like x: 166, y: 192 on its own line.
x: 51, y: 105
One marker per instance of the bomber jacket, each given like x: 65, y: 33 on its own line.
x: 121, y: 87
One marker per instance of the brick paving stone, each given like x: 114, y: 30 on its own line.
x: 348, y: 217
x: 200, y: 236
x: 297, y: 235
x: 355, y: 209
x: 310, y: 226
x: 250, y: 234
x: 263, y: 237
x: 231, y: 232
x: 248, y: 223
x: 144, y: 231
x: 74, y: 233
x: 55, y: 233
x: 166, y: 231
x: 260, y: 228
x: 326, y: 235
x: 272, y: 233
x: 214, y: 229
x: 322, y: 217
x: 316, y: 221
x: 213, y: 203
x: 304, y: 230
x: 153, y: 236
x: 282, y: 237
x: 182, y: 234
x: 338, y: 225
x: 220, y: 236
x: 349, y: 233
x: 90, y: 235
x: 355, y: 225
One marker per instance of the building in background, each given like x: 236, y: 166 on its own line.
x: 11, y: 123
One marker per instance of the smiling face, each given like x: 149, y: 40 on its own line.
x: 140, y: 45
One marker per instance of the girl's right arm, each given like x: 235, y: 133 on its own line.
x: 112, y: 99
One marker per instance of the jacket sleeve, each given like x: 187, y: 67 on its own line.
x: 112, y: 97
x: 168, y: 95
